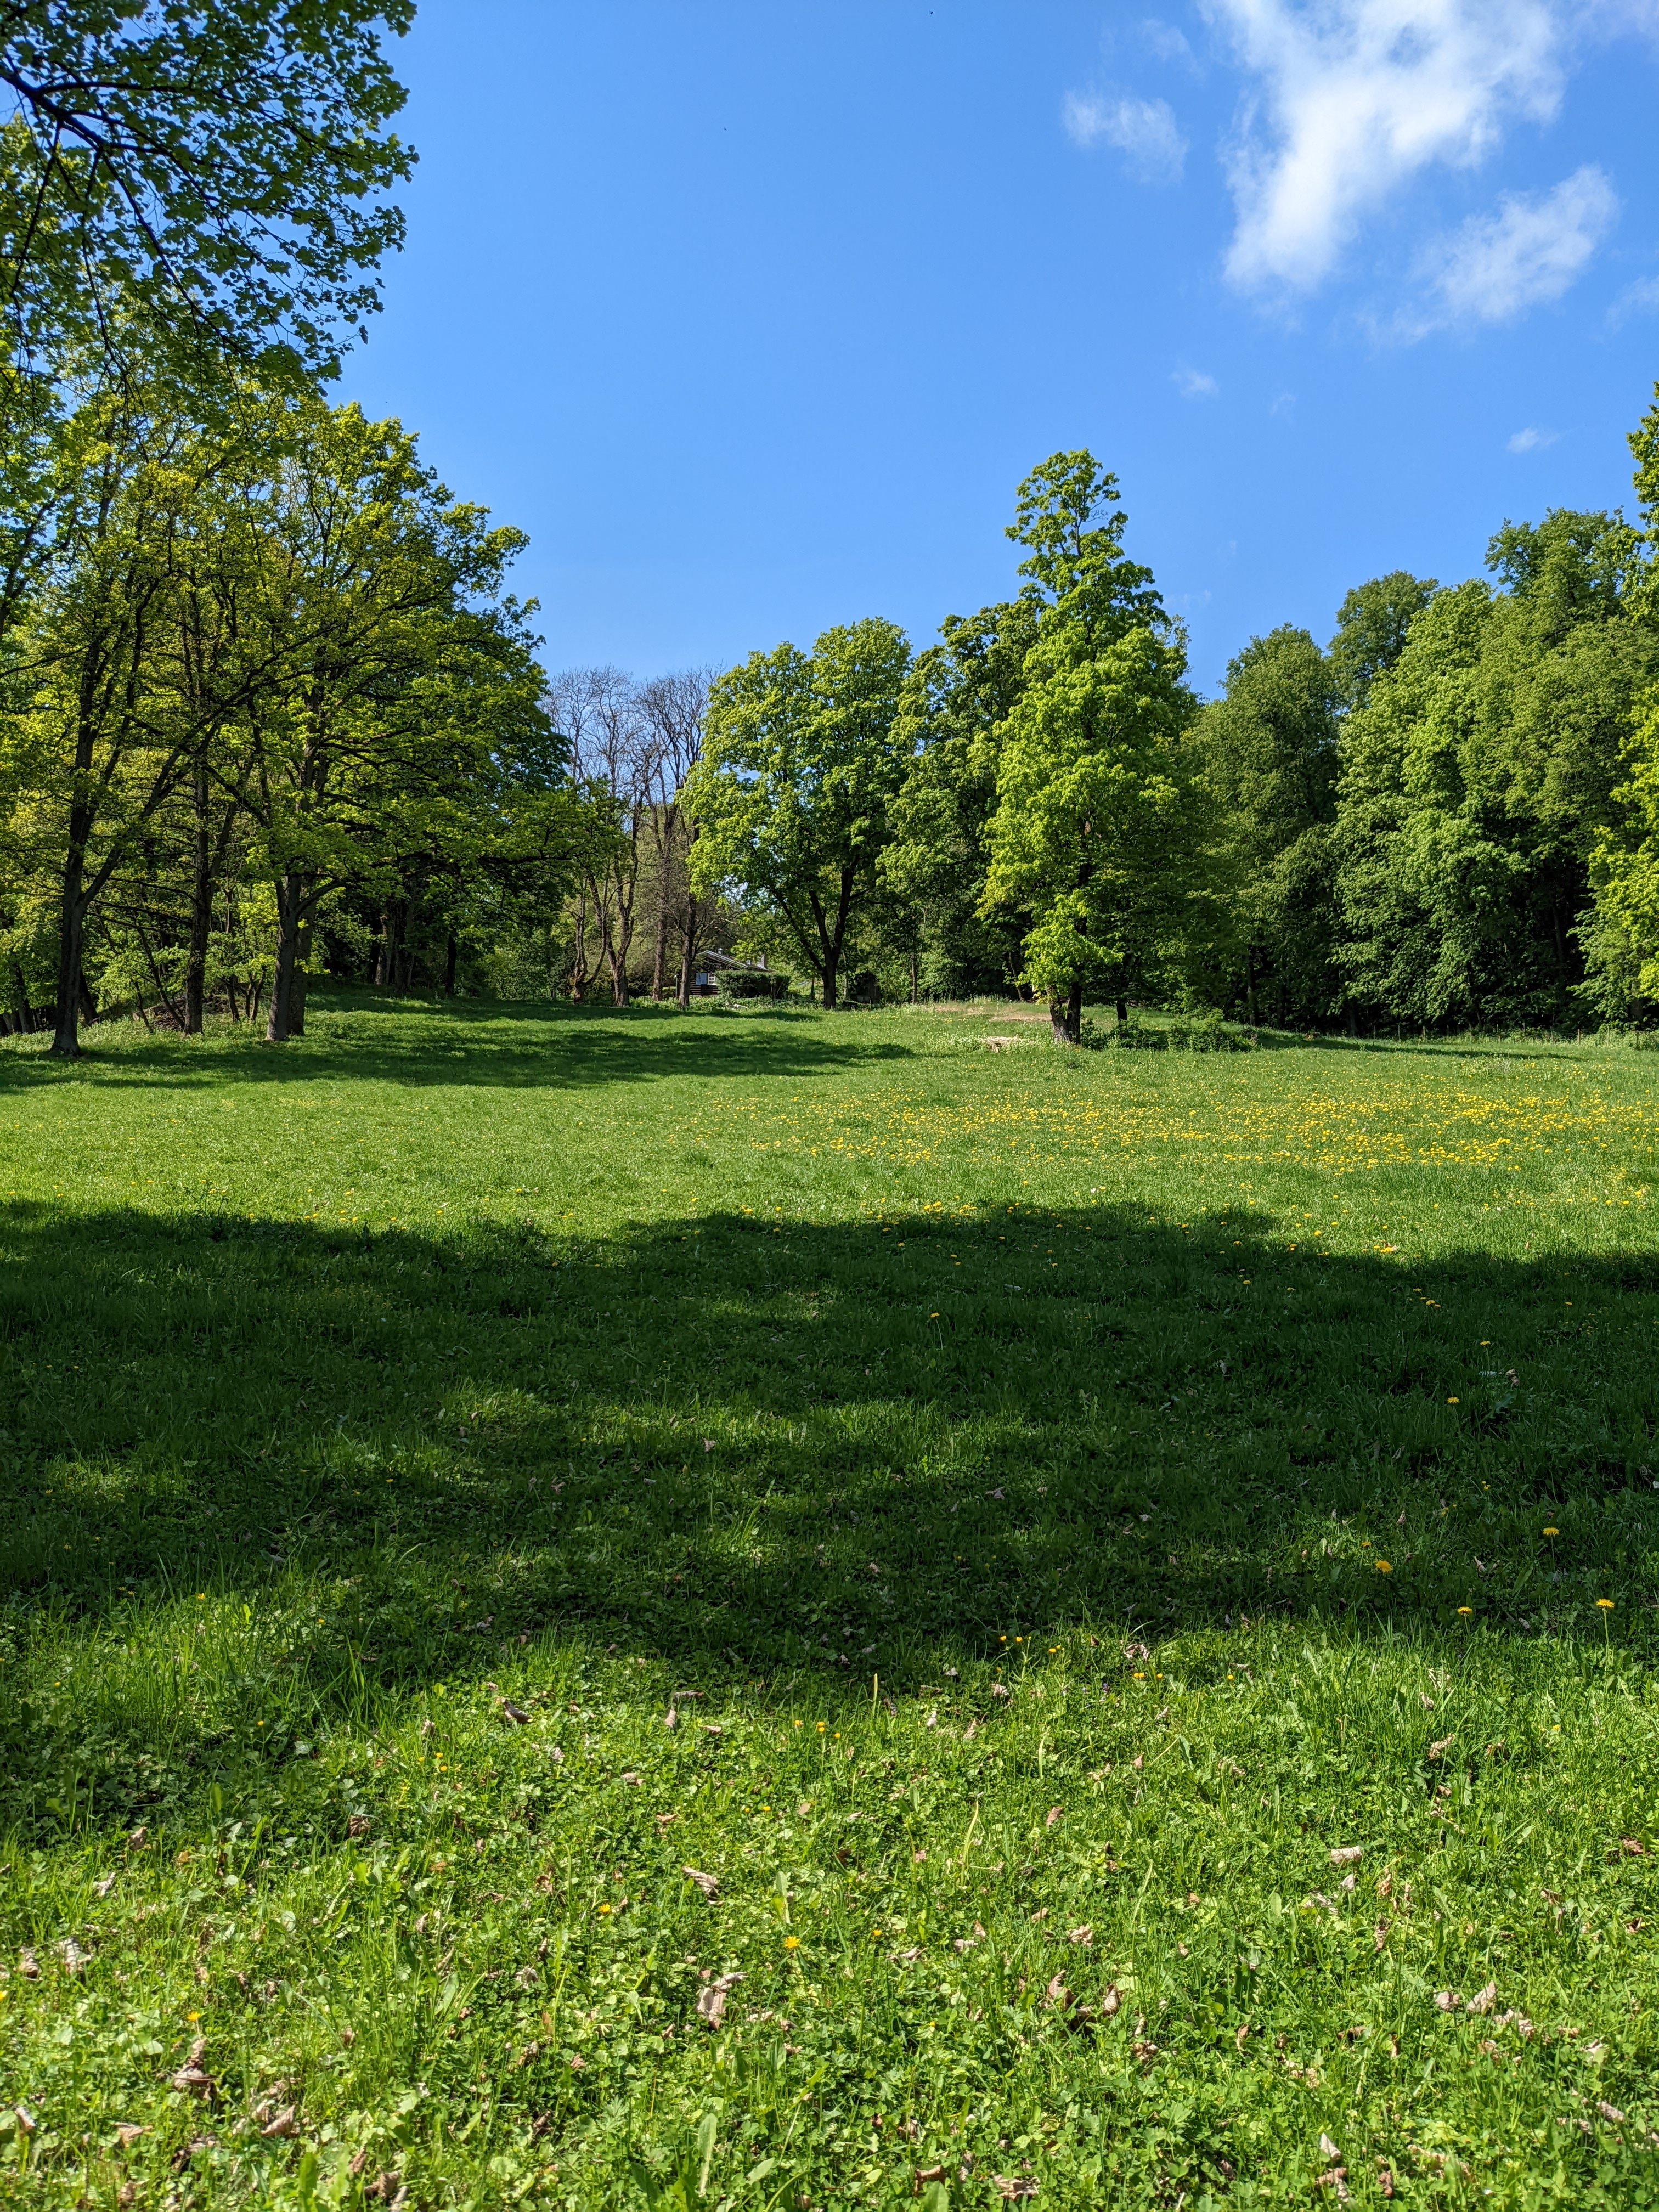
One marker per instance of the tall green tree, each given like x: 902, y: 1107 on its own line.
x: 1268, y: 753
x: 207, y: 175
x: 1477, y: 780
x: 1372, y: 624
x: 958, y: 696
x: 1096, y: 804
x: 800, y: 764
x: 392, y: 661
x: 1623, y: 941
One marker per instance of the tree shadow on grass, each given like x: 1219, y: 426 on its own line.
x: 378, y: 1038
x: 754, y: 1449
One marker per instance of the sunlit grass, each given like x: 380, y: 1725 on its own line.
x: 1005, y: 1518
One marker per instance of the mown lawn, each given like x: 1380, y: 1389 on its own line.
x: 1131, y: 1578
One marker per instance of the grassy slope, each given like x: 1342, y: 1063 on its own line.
x: 867, y: 1401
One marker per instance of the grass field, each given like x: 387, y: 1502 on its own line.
x: 1130, y: 1577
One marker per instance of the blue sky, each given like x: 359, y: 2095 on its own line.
x: 754, y: 315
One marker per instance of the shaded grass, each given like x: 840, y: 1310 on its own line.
x: 987, y: 1465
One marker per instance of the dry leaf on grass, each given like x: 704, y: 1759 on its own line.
x: 516, y: 1714
x: 1010, y: 2185
x: 711, y: 2001
x: 129, y: 2132
x: 707, y: 1883
x: 1483, y: 2000
x: 1346, y: 1854
x: 103, y: 1888
x: 1054, y: 1814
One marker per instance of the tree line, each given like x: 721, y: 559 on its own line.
x: 1448, y: 815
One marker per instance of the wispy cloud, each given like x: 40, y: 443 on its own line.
x: 1494, y: 266
x: 1167, y: 43
x: 1531, y: 440
x: 1355, y: 97
x: 1143, y: 131
x: 1193, y: 384
x: 1641, y: 298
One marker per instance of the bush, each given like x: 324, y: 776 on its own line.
x: 740, y: 983
x: 1209, y: 1032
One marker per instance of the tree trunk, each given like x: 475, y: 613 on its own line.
x: 660, y: 964
x: 201, y: 911
x: 617, y: 948
x: 1122, y: 1013
x: 66, y: 1036
x: 385, y: 965
x: 25, y: 1018
x: 1066, y: 1016
x: 913, y: 975
x: 688, y: 954
x: 452, y: 953
x: 297, y: 981
x: 288, y: 927
x: 1250, y: 986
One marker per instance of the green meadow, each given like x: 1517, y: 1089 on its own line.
x: 619, y: 1609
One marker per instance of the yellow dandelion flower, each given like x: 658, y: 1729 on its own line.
x: 1605, y: 1603
x: 1466, y: 1608
x: 1451, y: 1402
x: 1552, y: 1531
x: 791, y: 1942
x: 1384, y: 1568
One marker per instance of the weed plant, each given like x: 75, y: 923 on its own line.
x: 786, y: 1610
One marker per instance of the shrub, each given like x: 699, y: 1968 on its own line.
x: 742, y: 983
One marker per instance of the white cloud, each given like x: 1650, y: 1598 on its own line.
x: 1355, y: 97
x: 1531, y: 439
x: 1193, y: 384
x: 1169, y: 44
x: 1143, y: 131
x: 1495, y: 265
x: 1641, y: 298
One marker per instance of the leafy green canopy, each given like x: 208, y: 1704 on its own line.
x: 1479, y: 780
x: 1094, y: 803
x: 801, y: 762
x: 1626, y: 858
x: 958, y: 695
x: 1268, y: 748
x: 216, y: 170
x: 1371, y: 627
